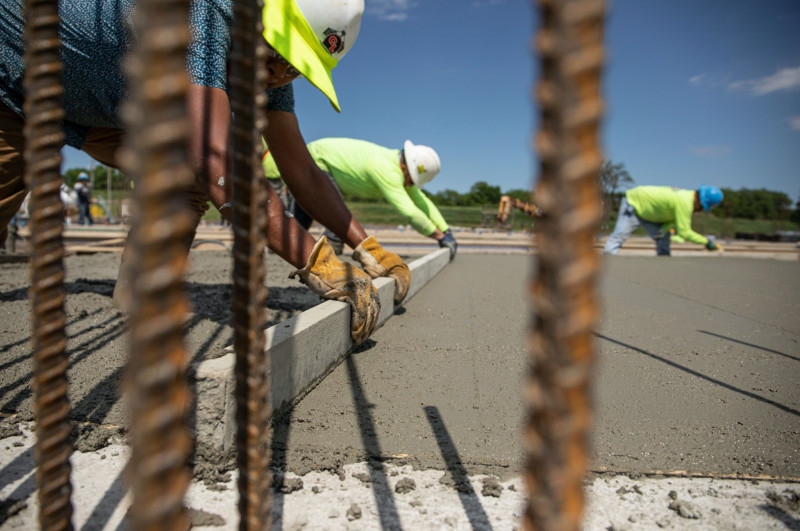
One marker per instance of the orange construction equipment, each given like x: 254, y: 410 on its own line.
x: 507, y: 203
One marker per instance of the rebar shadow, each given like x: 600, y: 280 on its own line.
x: 765, y: 349
x: 466, y: 494
x: 693, y: 372
x: 387, y: 510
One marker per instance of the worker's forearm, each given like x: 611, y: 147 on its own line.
x: 436, y: 234
x: 208, y: 113
x: 321, y: 200
x: 219, y: 189
x: 285, y: 236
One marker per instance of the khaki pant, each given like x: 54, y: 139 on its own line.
x: 102, y: 144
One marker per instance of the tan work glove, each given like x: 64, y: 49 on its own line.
x: 330, y: 278
x: 381, y: 263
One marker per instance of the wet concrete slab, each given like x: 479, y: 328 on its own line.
x: 697, y: 373
x: 697, y: 369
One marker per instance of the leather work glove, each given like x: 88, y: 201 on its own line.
x: 449, y: 241
x: 378, y: 262
x: 330, y: 278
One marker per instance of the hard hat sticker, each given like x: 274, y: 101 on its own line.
x: 334, y: 41
x: 421, y: 168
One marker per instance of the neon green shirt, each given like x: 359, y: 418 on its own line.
x: 364, y: 169
x: 666, y: 205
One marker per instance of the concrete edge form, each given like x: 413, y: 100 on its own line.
x: 303, y: 350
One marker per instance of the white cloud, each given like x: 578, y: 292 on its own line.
x: 708, y: 81
x: 391, y: 10
x: 700, y: 79
x: 783, y: 80
x: 794, y: 123
x: 710, y: 151
x: 486, y: 3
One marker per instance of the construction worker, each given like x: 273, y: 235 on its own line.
x: 363, y: 169
x: 657, y: 208
x: 305, y: 38
x: 84, y: 192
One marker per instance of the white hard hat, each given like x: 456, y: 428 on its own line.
x: 312, y: 35
x: 422, y: 162
x: 336, y: 23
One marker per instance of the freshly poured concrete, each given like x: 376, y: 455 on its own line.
x: 698, y: 371
x: 696, y: 376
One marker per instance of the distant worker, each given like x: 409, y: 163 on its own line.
x: 657, y: 208
x: 363, y: 169
x: 83, y: 189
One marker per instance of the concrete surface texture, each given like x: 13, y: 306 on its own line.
x: 697, y: 409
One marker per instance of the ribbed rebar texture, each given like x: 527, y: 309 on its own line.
x: 558, y: 392
x: 156, y: 157
x: 248, y: 99
x: 44, y: 139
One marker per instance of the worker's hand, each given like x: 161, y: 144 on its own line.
x: 449, y: 241
x: 712, y: 245
x: 378, y: 262
x: 330, y: 278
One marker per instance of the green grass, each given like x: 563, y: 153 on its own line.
x: 385, y: 214
x: 728, y: 227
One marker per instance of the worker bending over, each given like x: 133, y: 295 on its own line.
x: 657, y: 208
x: 305, y: 38
x: 366, y: 170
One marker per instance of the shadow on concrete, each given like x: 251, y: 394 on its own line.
x: 384, y: 499
x: 281, y: 422
x: 213, y: 302
x: 281, y: 427
x: 466, y: 494
x: 25, y: 461
x: 702, y: 376
x: 107, y: 504
x: 79, y: 285
x: 24, y: 490
x: 25, y: 357
x: 765, y: 349
x: 788, y: 521
x: 86, y: 350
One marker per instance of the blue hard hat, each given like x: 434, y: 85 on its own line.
x: 710, y: 196
x: 83, y: 177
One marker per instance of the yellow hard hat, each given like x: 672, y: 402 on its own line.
x: 312, y: 35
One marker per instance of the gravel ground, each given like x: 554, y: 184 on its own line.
x: 359, y: 497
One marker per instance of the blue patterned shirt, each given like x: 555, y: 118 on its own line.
x: 95, y: 36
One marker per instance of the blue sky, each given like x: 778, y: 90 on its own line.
x: 698, y: 91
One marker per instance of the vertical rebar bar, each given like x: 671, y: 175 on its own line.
x: 156, y: 157
x: 43, y: 141
x: 248, y: 99
x: 558, y: 393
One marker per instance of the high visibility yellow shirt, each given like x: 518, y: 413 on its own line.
x: 666, y: 205
x: 367, y: 170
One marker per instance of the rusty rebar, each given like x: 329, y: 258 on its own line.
x: 248, y: 99
x: 43, y: 141
x: 156, y: 157
x: 558, y: 394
